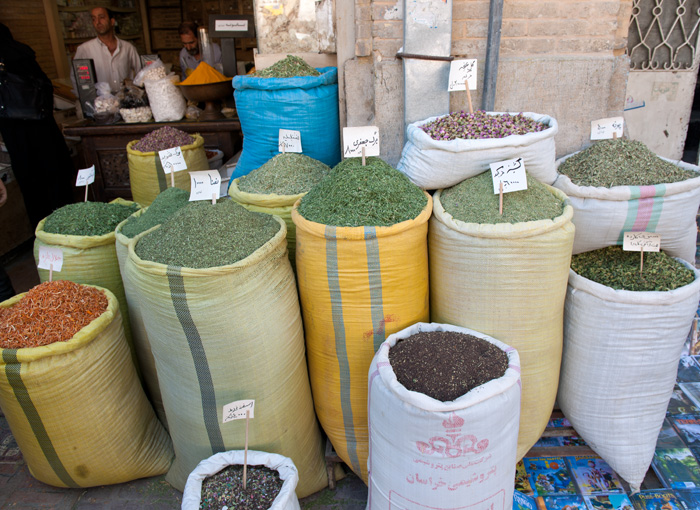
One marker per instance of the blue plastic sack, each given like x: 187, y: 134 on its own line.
x: 308, y: 104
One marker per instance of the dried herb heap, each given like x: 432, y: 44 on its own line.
x: 480, y: 125
x: 88, y: 218
x: 225, y: 489
x: 609, y: 163
x: 203, y: 235
x: 163, y: 207
x: 289, y: 67
x: 351, y: 195
x: 619, y: 270
x: 473, y: 201
x: 285, y: 174
x: 50, y: 312
x: 163, y: 138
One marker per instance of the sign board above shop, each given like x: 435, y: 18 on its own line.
x: 231, y: 25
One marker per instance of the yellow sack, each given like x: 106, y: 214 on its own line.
x: 142, y: 346
x: 146, y: 173
x: 77, y: 409
x: 508, y: 281
x: 90, y: 260
x: 358, y: 285
x: 224, y: 334
x: 279, y: 205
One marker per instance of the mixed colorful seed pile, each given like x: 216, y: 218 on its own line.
x: 480, y: 125
x: 163, y: 138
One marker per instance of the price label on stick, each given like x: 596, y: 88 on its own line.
x: 50, y: 256
x: 204, y: 184
x: 289, y: 141
x: 237, y: 410
x: 638, y: 241
x: 462, y: 71
x: 85, y: 176
x: 605, y: 129
x: 511, y: 173
x: 172, y: 160
x: 355, y: 138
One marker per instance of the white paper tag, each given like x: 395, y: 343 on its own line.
x: 172, y: 160
x: 231, y: 25
x: 204, y: 184
x: 85, y: 176
x: 635, y: 241
x: 354, y: 138
x: 236, y: 410
x: 50, y: 256
x: 289, y: 140
x: 511, y: 173
x: 604, y: 129
x: 461, y: 71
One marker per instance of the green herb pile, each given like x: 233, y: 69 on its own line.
x: 289, y: 67
x: 285, y: 174
x: 163, y: 207
x: 473, y: 201
x: 353, y: 196
x: 619, y: 270
x: 88, y: 218
x: 203, y: 235
x: 609, y: 163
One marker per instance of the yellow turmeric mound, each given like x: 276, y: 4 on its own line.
x: 204, y: 73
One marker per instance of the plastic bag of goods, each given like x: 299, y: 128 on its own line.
x: 443, y: 151
x: 444, y: 405
x: 70, y: 392
x: 166, y: 101
x: 224, y: 325
x: 616, y: 186
x: 196, y: 488
x: 362, y: 273
x: 288, y: 95
x: 622, y: 345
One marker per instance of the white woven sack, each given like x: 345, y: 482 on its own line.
x: 424, y: 453
x: 435, y: 164
x: 285, y: 500
x: 603, y: 215
x: 621, y: 353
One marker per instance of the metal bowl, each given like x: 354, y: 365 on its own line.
x: 210, y: 94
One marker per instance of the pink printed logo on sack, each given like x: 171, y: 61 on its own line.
x: 454, y: 444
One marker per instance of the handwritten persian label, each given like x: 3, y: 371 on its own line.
x: 289, y: 140
x: 511, y: 173
x: 231, y: 25
x: 635, y: 241
x: 204, y: 184
x: 172, y: 160
x: 354, y: 138
x: 236, y: 410
x: 461, y: 71
x: 49, y: 256
x: 604, y: 129
x: 85, y: 176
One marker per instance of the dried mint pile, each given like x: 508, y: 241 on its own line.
x: 480, y: 125
x: 473, y: 201
x: 351, y: 195
x: 163, y: 138
x: 619, y: 270
x: 163, y: 207
x: 285, y: 174
x: 88, y: 218
x: 225, y: 489
x: 287, y: 68
x: 203, y: 235
x: 620, y: 162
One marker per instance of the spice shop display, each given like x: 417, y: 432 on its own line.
x: 444, y: 406
x: 621, y: 352
x: 506, y: 279
x: 362, y: 275
x: 619, y: 185
x: 71, y: 394
x: 443, y: 151
x: 219, y: 302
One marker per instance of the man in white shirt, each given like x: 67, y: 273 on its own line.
x: 114, y: 59
x: 191, y: 54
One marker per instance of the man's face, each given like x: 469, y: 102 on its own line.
x: 189, y: 41
x: 100, y: 20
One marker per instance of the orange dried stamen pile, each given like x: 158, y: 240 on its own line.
x: 50, y: 312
